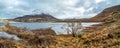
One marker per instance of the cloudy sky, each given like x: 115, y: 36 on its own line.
x: 58, y: 8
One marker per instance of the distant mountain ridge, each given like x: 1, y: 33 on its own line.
x: 35, y: 18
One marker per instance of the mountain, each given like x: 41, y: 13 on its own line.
x: 35, y: 18
x: 107, y: 14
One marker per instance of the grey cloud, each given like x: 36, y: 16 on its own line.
x: 57, y: 8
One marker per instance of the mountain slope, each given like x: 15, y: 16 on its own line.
x: 107, y: 14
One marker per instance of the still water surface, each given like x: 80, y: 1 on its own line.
x: 55, y: 26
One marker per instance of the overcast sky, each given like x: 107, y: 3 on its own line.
x: 58, y: 8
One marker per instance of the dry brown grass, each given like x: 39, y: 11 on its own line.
x: 33, y: 39
x: 9, y: 43
x: 103, y: 36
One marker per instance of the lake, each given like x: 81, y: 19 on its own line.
x: 55, y: 26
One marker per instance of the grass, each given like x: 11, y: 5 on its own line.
x: 103, y: 36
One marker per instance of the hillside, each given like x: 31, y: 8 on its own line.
x: 5, y: 20
x: 105, y: 35
x: 107, y: 14
x: 35, y: 18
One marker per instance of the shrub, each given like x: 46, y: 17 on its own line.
x: 73, y: 28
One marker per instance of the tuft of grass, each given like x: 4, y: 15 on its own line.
x: 112, y: 21
x: 118, y: 34
x: 80, y: 35
x: 118, y: 27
